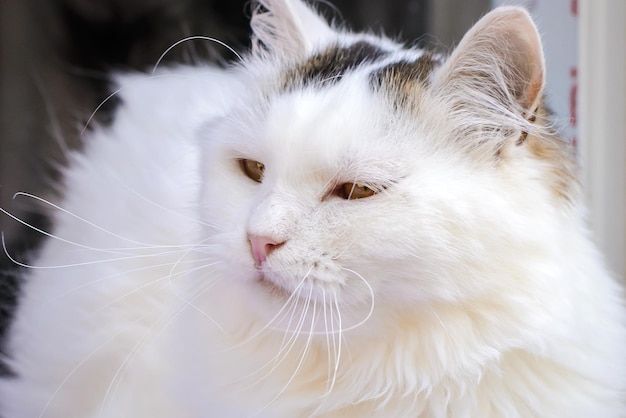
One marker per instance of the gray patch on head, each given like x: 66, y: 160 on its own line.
x: 403, y: 79
x: 329, y: 66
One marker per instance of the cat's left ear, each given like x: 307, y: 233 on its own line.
x: 500, y: 56
x: 289, y: 28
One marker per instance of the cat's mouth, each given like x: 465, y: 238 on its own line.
x: 309, y: 288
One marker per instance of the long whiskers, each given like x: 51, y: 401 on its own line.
x: 166, y: 209
x: 336, y: 343
x: 337, y: 347
x: 113, y: 276
x: 286, y: 346
x: 41, y: 231
x: 334, y: 352
x: 188, y: 302
x: 83, y: 361
x: 305, y: 351
x: 278, y: 315
x: 159, y: 326
x: 60, y: 209
x: 85, y: 263
x: 167, y: 277
x: 125, y: 252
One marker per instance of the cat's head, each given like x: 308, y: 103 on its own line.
x: 358, y: 171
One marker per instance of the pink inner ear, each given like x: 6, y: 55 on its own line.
x: 505, y: 42
x: 532, y: 94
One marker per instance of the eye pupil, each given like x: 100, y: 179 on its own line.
x: 253, y: 169
x: 351, y: 191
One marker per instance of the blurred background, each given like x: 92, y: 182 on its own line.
x: 55, y: 57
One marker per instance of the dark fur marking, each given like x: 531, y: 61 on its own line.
x: 402, y: 72
x: 329, y: 66
x: 524, y: 134
x: 401, y: 79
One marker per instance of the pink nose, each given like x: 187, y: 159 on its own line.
x: 262, y: 246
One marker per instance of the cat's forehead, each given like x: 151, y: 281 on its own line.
x: 331, y: 64
x: 320, y: 124
x: 342, y: 110
x: 344, y: 131
x: 389, y: 65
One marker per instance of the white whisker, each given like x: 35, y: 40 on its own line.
x: 188, y: 302
x: 167, y: 277
x: 41, y: 231
x: 372, y: 296
x: 292, y: 335
x: 336, y: 346
x: 193, y: 38
x: 85, y: 263
x: 286, y: 343
x: 47, y: 202
x: 286, y: 346
x: 328, y: 337
x: 121, y: 371
x: 165, y: 209
x: 302, y: 357
x: 82, y: 362
x: 115, y: 93
x: 112, y: 276
x: 274, y: 319
x: 165, y: 319
x: 97, y: 109
x: 336, y: 257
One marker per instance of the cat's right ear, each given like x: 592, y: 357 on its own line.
x: 500, y: 56
x: 288, y: 28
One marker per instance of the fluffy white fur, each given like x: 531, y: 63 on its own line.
x: 466, y: 287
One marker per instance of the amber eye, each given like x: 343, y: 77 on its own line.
x: 253, y: 169
x: 351, y: 191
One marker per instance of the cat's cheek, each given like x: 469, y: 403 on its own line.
x: 238, y: 264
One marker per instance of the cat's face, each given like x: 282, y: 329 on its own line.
x: 376, y: 187
x: 402, y: 236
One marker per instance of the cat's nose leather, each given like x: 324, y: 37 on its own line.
x: 262, y: 246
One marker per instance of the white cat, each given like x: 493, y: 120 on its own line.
x: 337, y: 226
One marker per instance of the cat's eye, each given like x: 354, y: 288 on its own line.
x: 351, y: 191
x: 253, y: 169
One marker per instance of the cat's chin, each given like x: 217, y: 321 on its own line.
x: 276, y: 289
x: 271, y: 288
x: 313, y: 289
